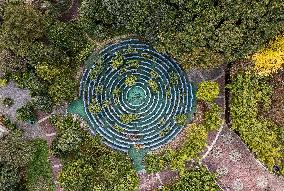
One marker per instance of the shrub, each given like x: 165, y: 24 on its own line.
x: 202, y: 58
x: 154, y: 74
x: 130, y: 80
x: 3, y: 82
x: 95, y: 107
x: 153, y: 86
x: 212, y: 117
x: 70, y: 135
x: 31, y: 81
x: 271, y: 59
x: 180, y: 119
x: 96, y: 167
x: 208, y: 91
x: 68, y: 37
x: 8, y: 102
x: 117, y: 60
x: 26, y: 113
x: 63, y: 89
x: 174, y: 78
x: 128, y: 118
x: 116, y: 92
x: 15, y: 151
x: 47, y: 72
x: 196, y: 179
x: 22, y: 26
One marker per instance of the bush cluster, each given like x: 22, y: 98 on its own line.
x: 89, y: 165
x: 208, y: 91
x: 249, y: 94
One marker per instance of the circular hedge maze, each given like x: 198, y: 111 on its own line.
x: 134, y: 96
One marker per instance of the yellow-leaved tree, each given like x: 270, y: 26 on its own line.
x: 270, y: 59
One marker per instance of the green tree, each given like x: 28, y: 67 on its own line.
x: 63, y: 89
x: 22, y: 26
x: 10, y: 63
x: 70, y: 135
x: 68, y: 37
x: 43, y: 103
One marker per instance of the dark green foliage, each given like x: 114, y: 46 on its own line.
x: 249, y: 94
x: 199, y: 33
x: 10, y: 63
x: 26, y: 113
x: 58, y: 7
x: 196, y: 179
x: 9, y: 177
x: 40, y: 53
x: 39, y: 173
x: 42, y: 103
x: 109, y: 171
x: 68, y: 37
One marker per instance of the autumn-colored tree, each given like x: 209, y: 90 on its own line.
x: 270, y: 59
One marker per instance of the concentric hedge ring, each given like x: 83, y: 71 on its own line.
x: 154, y: 111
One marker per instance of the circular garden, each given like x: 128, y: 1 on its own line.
x: 135, y: 97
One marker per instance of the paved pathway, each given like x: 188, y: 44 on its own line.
x: 20, y: 97
x: 237, y: 168
x: 152, y: 181
x: 49, y: 135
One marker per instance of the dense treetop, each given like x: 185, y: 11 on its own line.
x: 230, y: 29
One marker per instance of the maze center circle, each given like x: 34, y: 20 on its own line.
x: 136, y: 96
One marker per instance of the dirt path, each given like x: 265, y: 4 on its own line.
x: 49, y: 135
